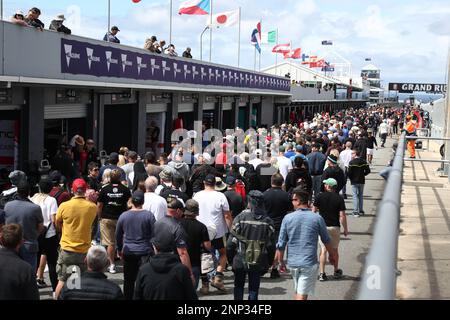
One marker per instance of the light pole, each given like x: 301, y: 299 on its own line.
x: 201, y: 42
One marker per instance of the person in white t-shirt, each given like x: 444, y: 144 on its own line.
x: 344, y: 159
x: 284, y: 164
x: 128, y: 168
x: 48, y: 240
x: 216, y: 215
x: 384, y: 131
x: 257, y: 161
x: 153, y: 202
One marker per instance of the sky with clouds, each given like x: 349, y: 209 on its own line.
x: 407, y: 39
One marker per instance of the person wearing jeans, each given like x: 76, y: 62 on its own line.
x: 135, y: 229
x: 358, y: 192
x: 358, y: 169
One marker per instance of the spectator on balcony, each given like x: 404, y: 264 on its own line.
x: 19, y: 18
x: 150, y: 44
x: 32, y: 19
x: 111, y: 35
x: 171, y: 51
x: 57, y: 24
x: 187, y: 53
x: 160, y: 47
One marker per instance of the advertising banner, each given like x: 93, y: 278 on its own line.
x: 103, y: 61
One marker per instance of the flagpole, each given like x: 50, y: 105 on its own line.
x: 260, y: 52
x: 210, y: 29
x: 276, y: 57
x: 239, y: 39
x: 170, y: 19
x: 109, y: 15
x: 254, y: 62
x: 290, y: 62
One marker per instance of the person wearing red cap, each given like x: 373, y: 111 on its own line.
x: 75, y: 218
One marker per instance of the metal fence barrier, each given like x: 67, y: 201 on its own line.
x: 379, y: 275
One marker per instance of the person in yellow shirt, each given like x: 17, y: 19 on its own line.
x: 410, y: 129
x: 74, y: 218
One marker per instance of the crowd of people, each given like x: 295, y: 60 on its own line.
x: 178, y: 221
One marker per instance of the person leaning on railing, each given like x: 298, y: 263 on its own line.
x: 19, y: 18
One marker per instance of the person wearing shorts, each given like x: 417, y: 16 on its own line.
x: 75, y: 218
x: 331, y: 208
x: 112, y: 202
x: 299, y: 232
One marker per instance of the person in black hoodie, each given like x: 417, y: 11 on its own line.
x: 335, y: 172
x: 251, y: 227
x: 164, y: 277
x: 358, y: 169
x: 298, y: 177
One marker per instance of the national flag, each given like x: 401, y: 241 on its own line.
x: 312, y: 59
x: 136, y: 1
x: 282, y: 48
x: 198, y: 7
x: 269, y: 37
x: 327, y: 43
x: 225, y: 19
x: 304, y: 57
x: 317, y: 64
x: 256, y: 37
x: 293, y: 54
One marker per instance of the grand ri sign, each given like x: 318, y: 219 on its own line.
x: 418, y: 87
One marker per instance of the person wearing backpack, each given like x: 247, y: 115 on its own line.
x: 6, y: 196
x: 252, y: 237
x: 298, y: 177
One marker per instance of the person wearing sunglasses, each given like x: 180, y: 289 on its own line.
x: 299, y: 232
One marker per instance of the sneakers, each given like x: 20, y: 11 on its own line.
x: 112, y: 269
x: 218, y: 283
x: 361, y: 213
x: 338, y: 274
x: 274, y: 274
x: 355, y: 215
x: 322, y: 277
x: 41, y: 283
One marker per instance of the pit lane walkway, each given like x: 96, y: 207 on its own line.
x: 424, y: 243
x: 353, y: 251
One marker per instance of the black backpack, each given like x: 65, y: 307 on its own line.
x: 4, y: 199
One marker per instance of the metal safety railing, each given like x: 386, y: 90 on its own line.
x: 380, y: 271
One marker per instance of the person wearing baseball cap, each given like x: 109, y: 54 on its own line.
x: 110, y: 36
x: 334, y: 171
x: 331, y: 208
x: 235, y: 199
x: 197, y: 237
x: 133, y: 240
x: 75, y: 218
x: 215, y: 214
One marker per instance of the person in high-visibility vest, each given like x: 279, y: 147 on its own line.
x: 410, y: 129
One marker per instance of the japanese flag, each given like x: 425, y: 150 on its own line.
x: 225, y: 19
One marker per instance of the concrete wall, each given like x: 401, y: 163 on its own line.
x: 300, y: 93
